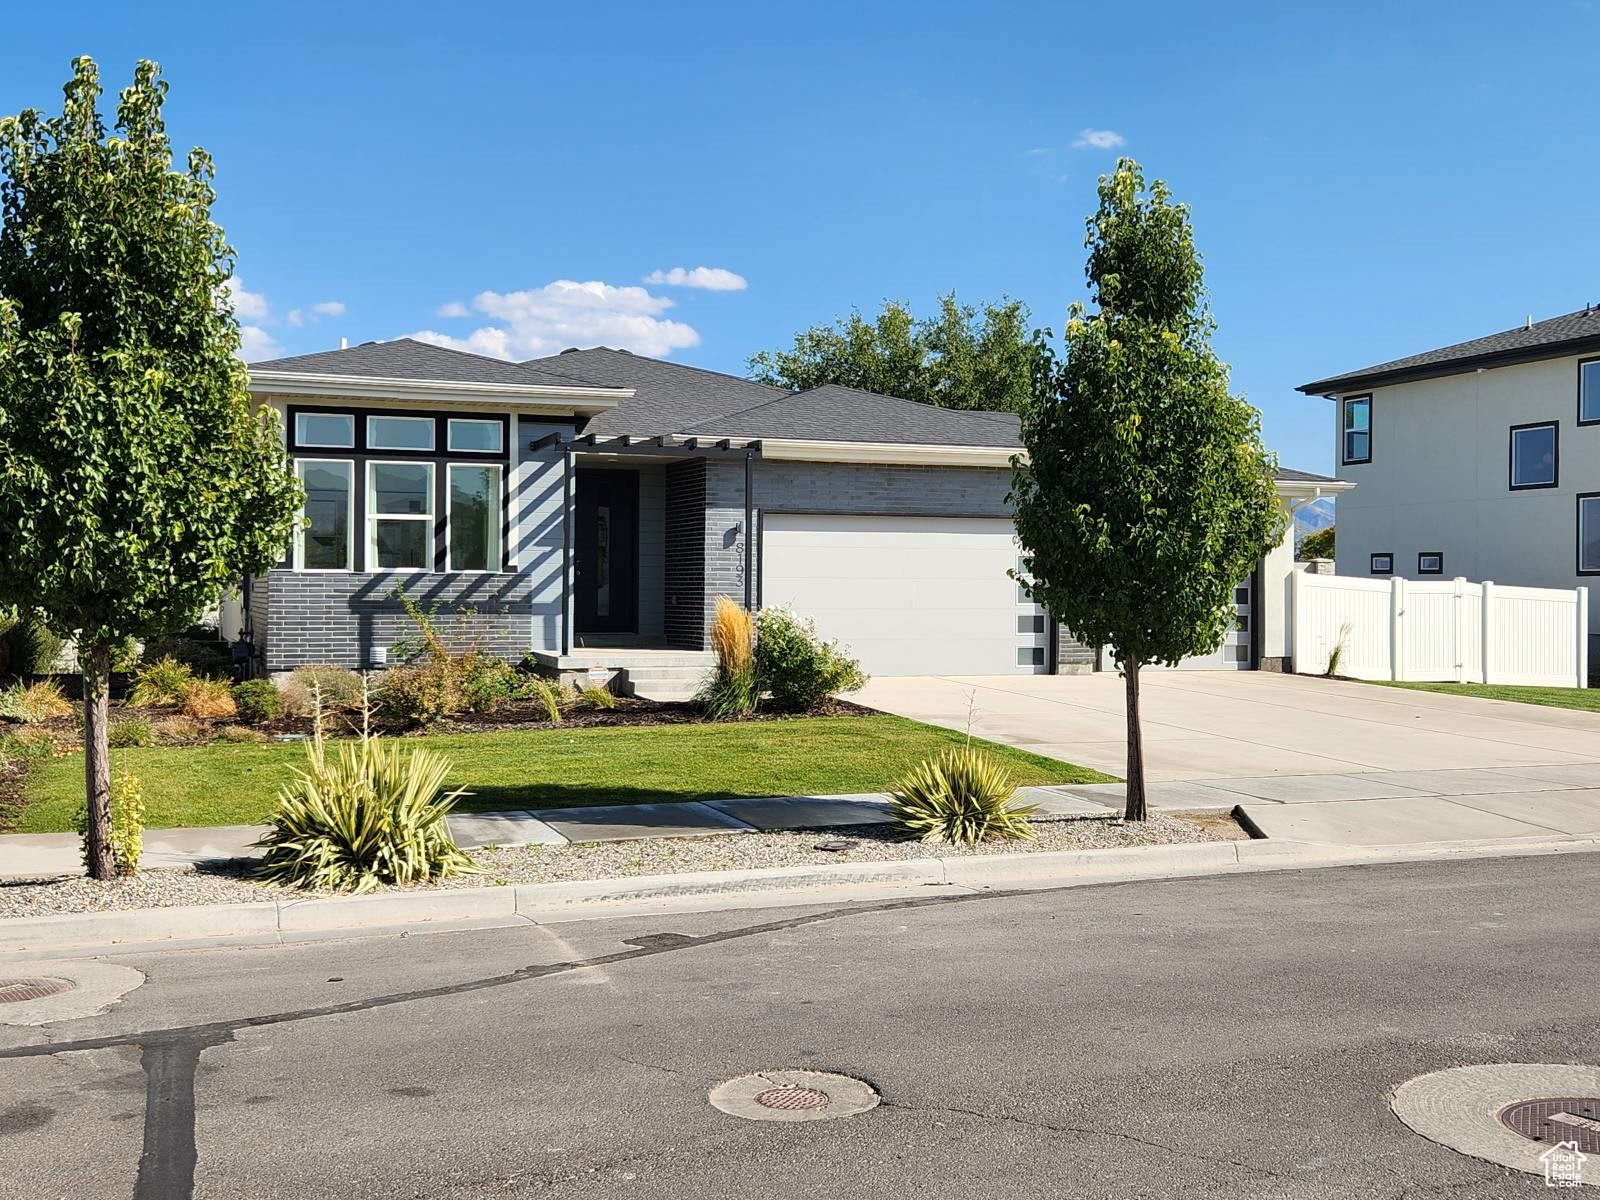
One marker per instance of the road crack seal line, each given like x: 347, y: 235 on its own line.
x: 1085, y: 1131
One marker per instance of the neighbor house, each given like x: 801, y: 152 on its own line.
x: 1479, y: 460
x: 591, y: 506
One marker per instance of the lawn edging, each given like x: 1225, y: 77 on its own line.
x: 355, y: 916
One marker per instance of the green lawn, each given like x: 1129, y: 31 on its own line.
x: 225, y: 784
x: 1583, y: 699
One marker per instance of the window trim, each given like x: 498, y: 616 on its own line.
x: 497, y: 561
x: 1578, y: 533
x: 1372, y: 562
x: 431, y: 518
x: 1594, y: 420
x: 362, y: 449
x: 1422, y: 554
x: 297, y: 563
x: 1344, y: 430
x: 431, y: 420
x: 1511, y: 457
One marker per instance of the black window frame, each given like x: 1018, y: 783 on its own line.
x: 1577, y: 529
x: 1511, y: 457
x: 1422, y: 554
x: 1594, y: 420
x: 362, y: 455
x: 1372, y: 562
x: 1344, y: 430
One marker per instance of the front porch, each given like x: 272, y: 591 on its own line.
x: 647, y: 668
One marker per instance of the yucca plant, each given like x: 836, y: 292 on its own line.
x: 732, y: 689
x: 366, y: 814
x: 961, y: 796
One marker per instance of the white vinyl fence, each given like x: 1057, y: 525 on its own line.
x: 1448, y: 631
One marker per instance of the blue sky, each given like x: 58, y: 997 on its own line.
x: 1367, y: 180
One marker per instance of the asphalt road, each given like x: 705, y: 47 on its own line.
x: 1226, y: 1037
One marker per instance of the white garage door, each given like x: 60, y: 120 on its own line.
x: 908, y: 595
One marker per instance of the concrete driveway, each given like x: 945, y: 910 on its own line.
x: 1232, y: 724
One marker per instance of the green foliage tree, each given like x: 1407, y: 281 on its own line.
x: 135, y: 483
x: 1146, y: 494
x: 965, y: 357
x: 1318, y: 545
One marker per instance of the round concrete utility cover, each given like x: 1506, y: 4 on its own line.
x: 793, y: 1096
x: 1493, y: 1112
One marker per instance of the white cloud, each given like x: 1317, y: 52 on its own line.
x: 1099, y: 139
x: 325, y: 308
x: 453, y: 309
x: 247, y: 306
x: 1038, y: 152
x: 548, y: 319
x: 256, y: 344
x: 712, y: 279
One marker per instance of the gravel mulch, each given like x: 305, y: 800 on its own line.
x: 225, y: 883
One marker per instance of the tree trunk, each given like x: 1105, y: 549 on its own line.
x: 97, y: 761
x: 1135, y: 808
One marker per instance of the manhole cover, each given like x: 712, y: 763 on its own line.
x: 14, y: 991
x: 794, y: 1096
x: 1567, y: 1119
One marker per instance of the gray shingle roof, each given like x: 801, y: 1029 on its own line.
x: 1570, y: 334
x: 406, y: 358
x: 668, y: 397
x: 843, y: 414
x: 1287, y: 475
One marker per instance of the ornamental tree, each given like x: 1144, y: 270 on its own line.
x: 1146, y: 495
x: 135, y: 483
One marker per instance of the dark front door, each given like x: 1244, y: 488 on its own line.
x: 606, y: 558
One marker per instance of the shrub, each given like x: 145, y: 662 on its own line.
x: 240, y: 734
x: 177, y: 731
x: 27, y: 647
x: 161, y: 683
x: 341, y: 690
x: 35, y: 703
x: 201, y: 652
x: 797, y: 666
x: 961, y: 796
x: 486, y: 682
x: 27, y: 744
x: 209, y: 699
x: 365, y: 815
x: 127, y: 824
x: 257, y: 700
x: 135, y: 732
x: 550, y: 694
x: 419, y: 694
x: 732, y: 689
x: 598, y: 697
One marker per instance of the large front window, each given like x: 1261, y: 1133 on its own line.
x: 400, y: 490
x: 474, y: 518
x: 325, y: 539
x: 1589, y: 534
x: 400, y: 516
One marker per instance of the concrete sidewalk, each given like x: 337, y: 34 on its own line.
x: 1390, y: 808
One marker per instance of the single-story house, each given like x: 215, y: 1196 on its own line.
x: 591, y: 506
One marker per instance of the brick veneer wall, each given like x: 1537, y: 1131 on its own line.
x: 332, y: 617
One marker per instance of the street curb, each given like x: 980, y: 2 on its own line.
x: 293, y: 920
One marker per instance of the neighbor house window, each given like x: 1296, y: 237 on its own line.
x: 1430, y: 562
x: 325, y: 542
x: 1589, y: 391
x: 475, y: 437
x: 335, y: 431
x: 400, y: 433
x: 1589, y: 534
x: 1357, y: 421
x: 1382, y: 564
x: 1534, y: 455
x: 474, y: 517
x: 400, y: 516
